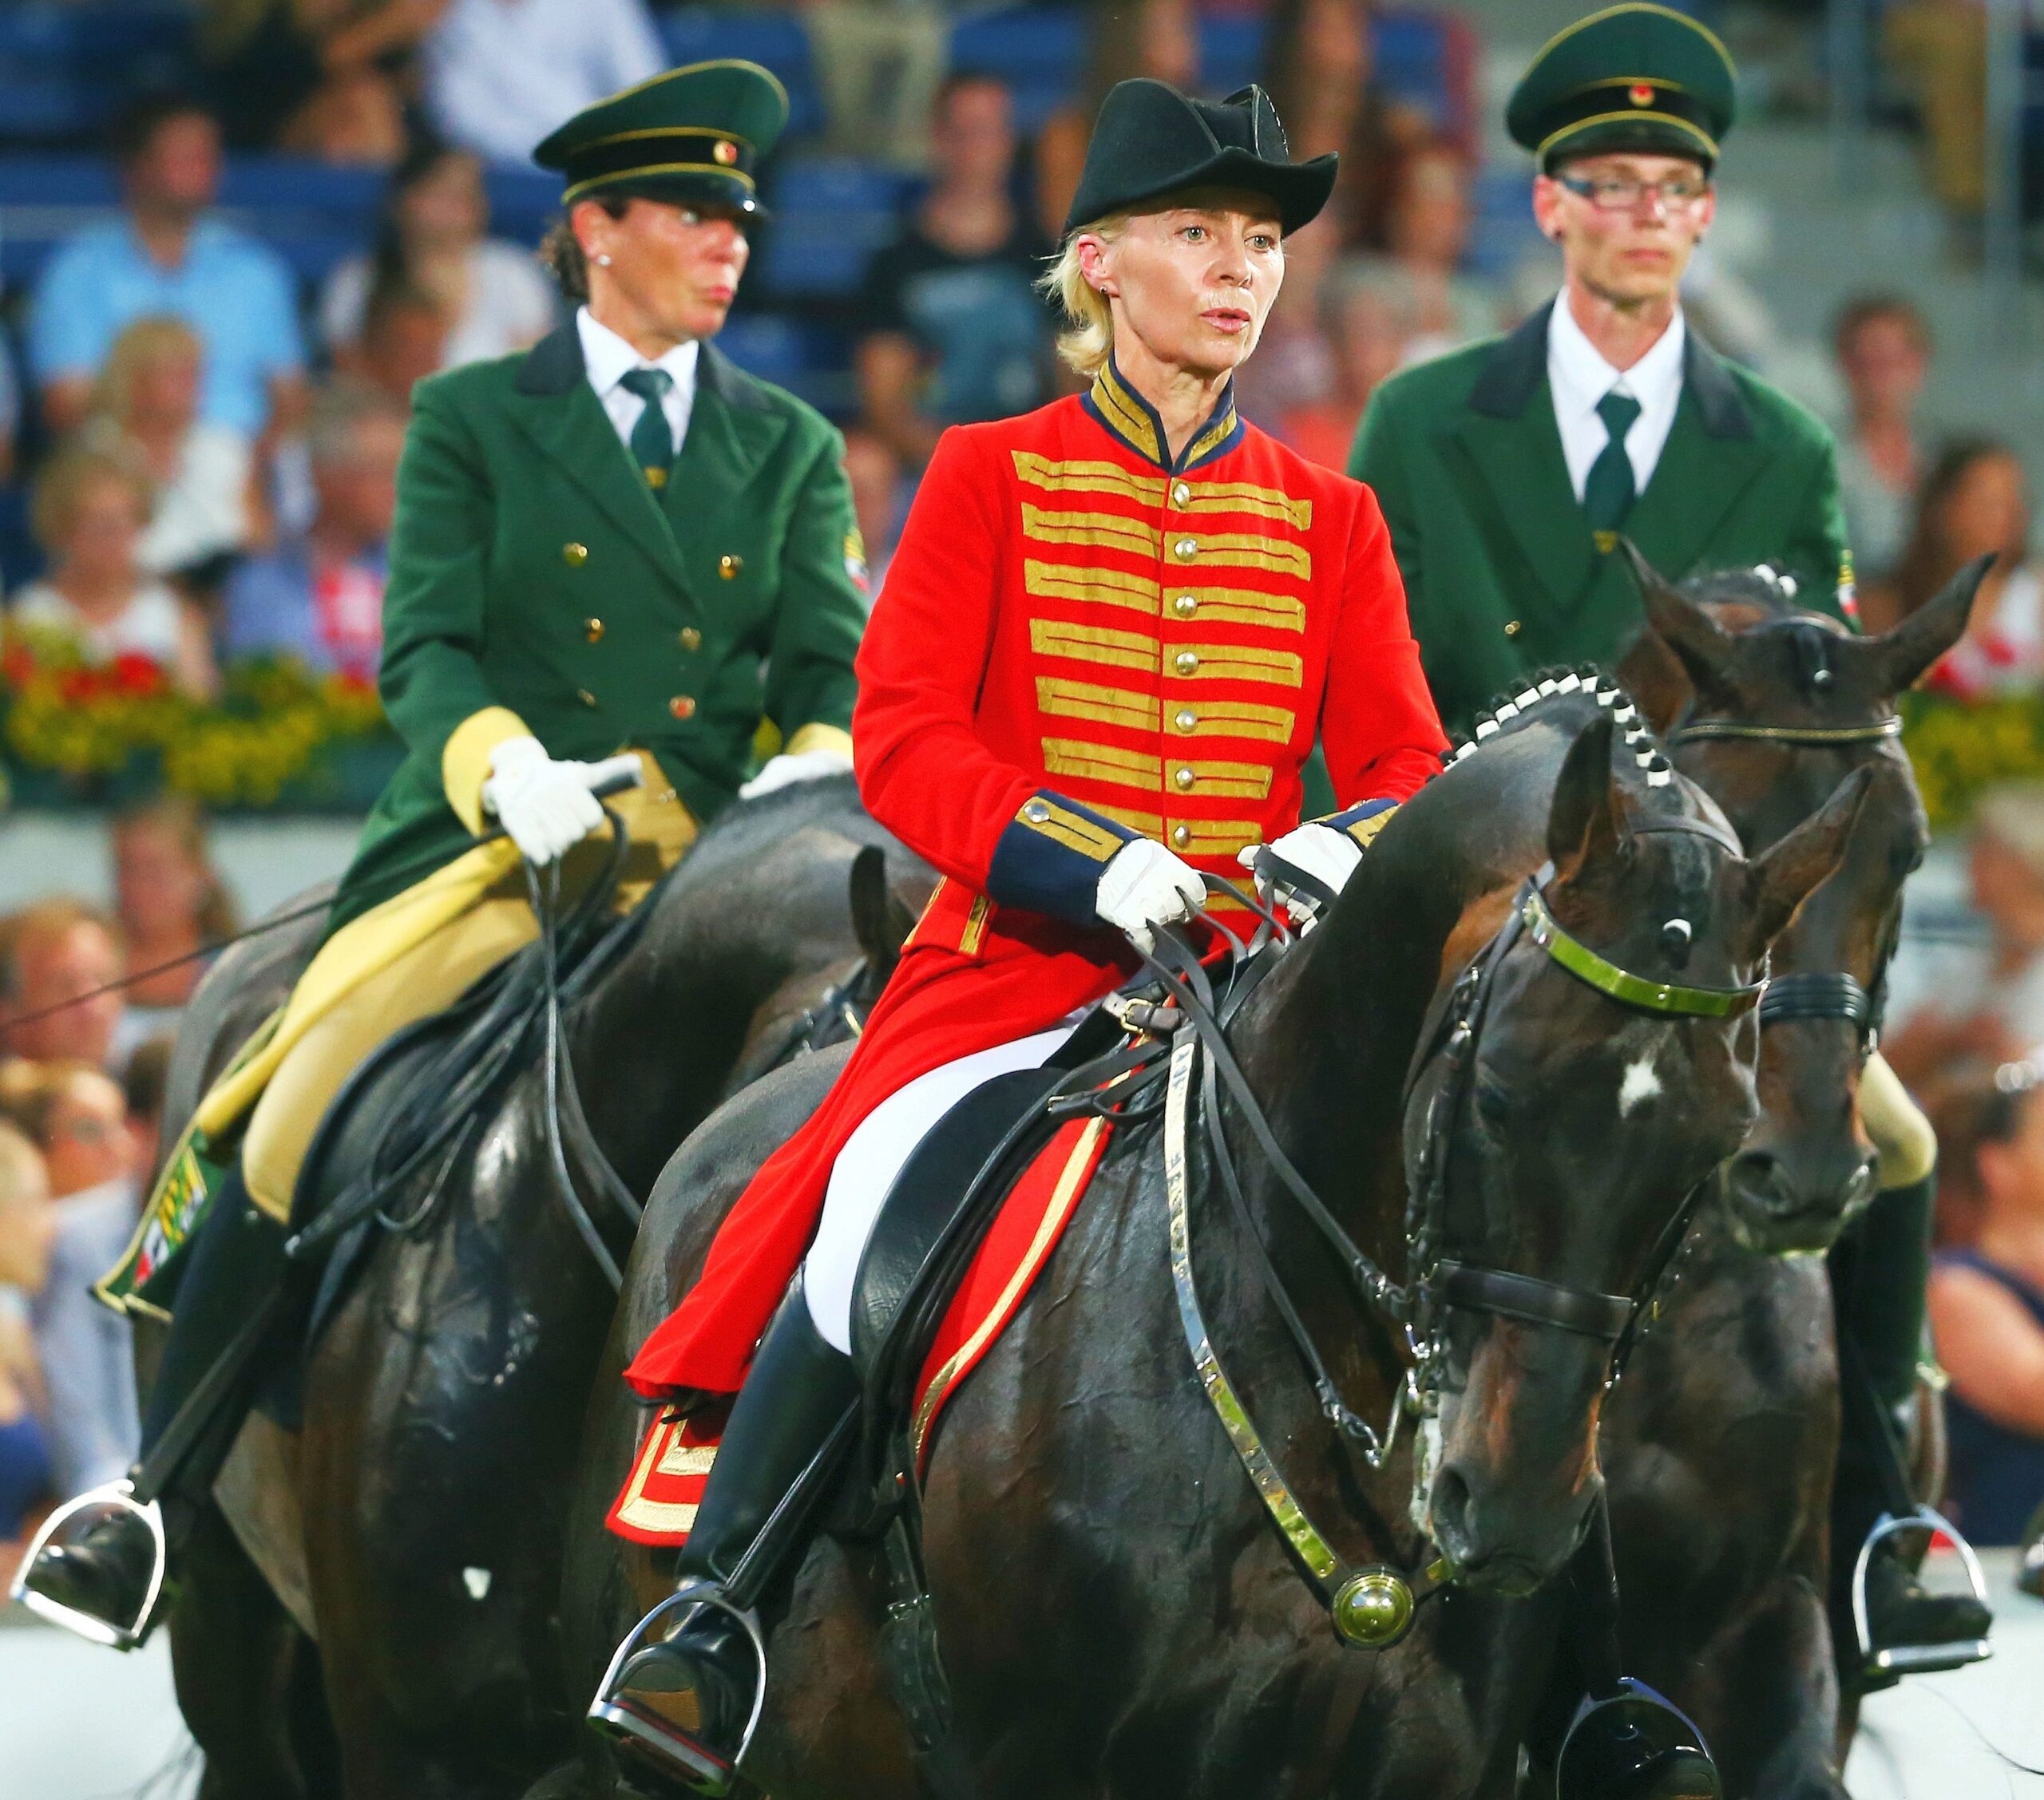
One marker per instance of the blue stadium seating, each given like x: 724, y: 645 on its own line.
x: 829, y: 217
x: 1039, y: 51
x: 65, y: 70
x: 66, y: 65
x: 775, y: 39
x: 808, y: 358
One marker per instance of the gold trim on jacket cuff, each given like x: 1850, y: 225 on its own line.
x: 465, y: 763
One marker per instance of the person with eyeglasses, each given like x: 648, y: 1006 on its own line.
x: 1508, y: 470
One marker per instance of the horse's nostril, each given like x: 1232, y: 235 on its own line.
x: 1756, y: 1176
x: 1450, y: 1505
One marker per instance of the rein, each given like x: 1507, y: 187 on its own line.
x: 1371, y: 1605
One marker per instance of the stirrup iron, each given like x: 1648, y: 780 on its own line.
x: 617, y: 1719
x: 120, y: 1495
x: 1890, y: 1663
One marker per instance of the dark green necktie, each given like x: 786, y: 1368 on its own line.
x: 1607, y: 494
x: 652, y: 439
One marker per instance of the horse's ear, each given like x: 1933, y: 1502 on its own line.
x: 1696, y: 640
x: 1777, y: 883
x: 1586, y: 819
x: 1900, y: 656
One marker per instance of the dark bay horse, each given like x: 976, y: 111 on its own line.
x: 1117, y: 1615
x: 413, y: 1525
x: 1719, y: 1445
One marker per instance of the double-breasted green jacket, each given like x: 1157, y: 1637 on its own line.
x: 538, y: 583
x: 1501, y: 573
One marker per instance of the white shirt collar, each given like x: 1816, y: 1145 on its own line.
x: 1580, y: 377
x: 608, y: 359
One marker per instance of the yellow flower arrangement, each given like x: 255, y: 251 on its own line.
x: 94, y: 725
x: 1957, y: 748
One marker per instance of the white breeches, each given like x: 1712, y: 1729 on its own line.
x: 874, y: 1155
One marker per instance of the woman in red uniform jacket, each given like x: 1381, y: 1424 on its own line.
x: 1111, y: 635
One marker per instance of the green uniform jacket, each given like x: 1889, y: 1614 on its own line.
x: 1502, y: 575
x: 538, y: 583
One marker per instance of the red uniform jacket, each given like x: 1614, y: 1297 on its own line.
x: 1078, y: 643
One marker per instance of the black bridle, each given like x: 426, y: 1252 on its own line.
x: 1372, y: 1606
x: 1829, y: 994
x: 1444, y: 1282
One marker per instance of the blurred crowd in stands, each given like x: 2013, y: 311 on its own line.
x: 84, y: 1066
x: 199, y: 432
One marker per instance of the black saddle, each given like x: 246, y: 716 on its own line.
x: 937, y: 1213
x: 941, y: 1175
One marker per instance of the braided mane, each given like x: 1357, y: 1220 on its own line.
x: 1509, y: 713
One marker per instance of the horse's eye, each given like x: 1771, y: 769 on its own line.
x: 1493, y: 1103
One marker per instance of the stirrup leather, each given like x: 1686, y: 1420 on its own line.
x: 120, y: 1496
x: 616, y: 1718
x: 1894, y: 1661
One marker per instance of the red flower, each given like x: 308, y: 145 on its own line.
x: 137, y: 675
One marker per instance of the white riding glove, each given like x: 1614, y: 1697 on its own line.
x: 547, y: 807
x: 1145, y: 886
x: 804, y: 765
x: 1326, y: 853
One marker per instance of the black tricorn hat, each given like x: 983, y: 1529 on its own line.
x: 1150, y: 140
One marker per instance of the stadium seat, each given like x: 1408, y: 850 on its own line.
x: 773, y: 39
x: 1039, y: 51
x: 65, y: 70
x: 809, y: 359
x: 830, y: 215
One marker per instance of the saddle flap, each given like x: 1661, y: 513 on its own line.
x: 940, y: 1175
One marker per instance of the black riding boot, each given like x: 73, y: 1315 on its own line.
x: 1627, y: 1742
x: 98, y: 1568
x: 1878, y: 1273
x: 679, y: 1707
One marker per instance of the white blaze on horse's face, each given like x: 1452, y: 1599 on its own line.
x: 1639, y: 1085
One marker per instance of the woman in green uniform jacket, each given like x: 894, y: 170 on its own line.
x: 614, y: 555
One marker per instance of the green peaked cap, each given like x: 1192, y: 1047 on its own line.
x: 1632, y: 77
x: 693, y: 134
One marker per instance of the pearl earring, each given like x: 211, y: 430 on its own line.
x: 603, y: 262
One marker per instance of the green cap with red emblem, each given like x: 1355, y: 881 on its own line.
x: 695, y: 134
x: 1638, y: 77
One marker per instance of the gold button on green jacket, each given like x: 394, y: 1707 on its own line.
x: 537, y: 583
x: 1503, y: 573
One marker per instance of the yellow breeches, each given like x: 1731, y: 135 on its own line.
x: 1907, y: 1146
x: 402, y: 962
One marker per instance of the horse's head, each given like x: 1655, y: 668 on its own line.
x: 1767, y: 708
x: 1610, y: 1069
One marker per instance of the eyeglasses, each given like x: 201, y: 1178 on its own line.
x: 1623, y: 193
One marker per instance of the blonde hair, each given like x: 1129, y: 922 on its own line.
x: 73, y: 470
x: 147, y: 341
x: 1088, y: 339
x: 20, y: 1165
